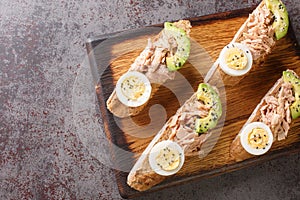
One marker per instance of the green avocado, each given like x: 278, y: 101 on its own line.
x: 208, y: 96
x: 290, y: 77
x: 182, y: 53
x: 281, y: 21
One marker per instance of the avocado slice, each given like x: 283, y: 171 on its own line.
x: 290, y: 77
x: 281, y: 21
x: 182, y: 53
x: 210, y: 97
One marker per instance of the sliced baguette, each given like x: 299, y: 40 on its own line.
x: 236, y: 150
x: 239, y: 38
x: 113, y: 103
x: 141, y: 176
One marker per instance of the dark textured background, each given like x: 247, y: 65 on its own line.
x: 43, y: 152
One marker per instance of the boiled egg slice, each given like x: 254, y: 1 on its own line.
x: 166, y: 158
x: 235, y: 59
x: 256, y: 138
x: 133, y: 89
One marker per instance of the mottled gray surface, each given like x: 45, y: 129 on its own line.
x: 44, y: 153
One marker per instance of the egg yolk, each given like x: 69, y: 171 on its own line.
x: 236, y: 59
x: 258, y: 138
x: 133, y: 87
x: 168, y: 159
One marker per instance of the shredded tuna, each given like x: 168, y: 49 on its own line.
x: 260, y: 35
x: 182, y: 126
x: 151, y: 61
x: 276, y: 113
x: 185, y: 25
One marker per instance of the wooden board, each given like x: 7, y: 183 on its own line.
x: 111, y: 55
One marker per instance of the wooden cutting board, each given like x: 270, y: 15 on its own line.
x: 111, y: 55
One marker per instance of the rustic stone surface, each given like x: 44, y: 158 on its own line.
x: 46, y: 152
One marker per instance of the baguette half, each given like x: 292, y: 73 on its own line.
x: 151, y: 62
x: 280, y: 129
x: 258, y: 33
x: 142, y: 176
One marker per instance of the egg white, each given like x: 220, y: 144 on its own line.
x: 142, y: 99
x: 156, y: 150
x: 235, y: 72
x: 244, y: 138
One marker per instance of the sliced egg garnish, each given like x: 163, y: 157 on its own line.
x: 256, y: 138
x: 166, y: 158
x: 235, y: 59
x: 133, y: 89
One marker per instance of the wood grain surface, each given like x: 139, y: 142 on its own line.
x: 209, y: 35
